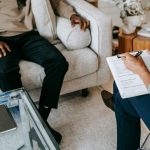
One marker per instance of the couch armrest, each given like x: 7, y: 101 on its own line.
x: 101, y: 32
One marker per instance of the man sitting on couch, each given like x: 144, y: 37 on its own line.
x: 18, y: 40
x: 129, y: 111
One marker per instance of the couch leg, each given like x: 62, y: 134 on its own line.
x: 85, y: 92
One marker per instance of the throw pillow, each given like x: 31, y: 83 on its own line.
x: 72, y: 37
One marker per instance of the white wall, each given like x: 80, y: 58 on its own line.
x: 109, y: 8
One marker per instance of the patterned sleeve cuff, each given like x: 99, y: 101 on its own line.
x: 149, y: 88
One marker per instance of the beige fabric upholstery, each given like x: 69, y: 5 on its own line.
x: 73, y: 38
x: 101, y: 28
x: 45, y: 20
x: 76, y: 68
x: 87, y: 66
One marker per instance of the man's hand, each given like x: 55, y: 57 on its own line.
x: 4, y: 48
x: 84, y: 24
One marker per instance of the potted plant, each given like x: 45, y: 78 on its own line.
x: 132, y: 14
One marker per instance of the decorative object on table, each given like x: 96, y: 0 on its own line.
x: 131, y: 23
x: 7, y: 122
x: 146, y: 26
x: 132, y: 14
x: 145, y: 30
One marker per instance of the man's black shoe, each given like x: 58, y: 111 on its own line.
x: 107, y: 99
x: 44, y: 112
x: 56, y: 135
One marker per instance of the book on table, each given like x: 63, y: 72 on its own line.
x: 7, y: 122
x: 145, y: 30
x: 128, y: 83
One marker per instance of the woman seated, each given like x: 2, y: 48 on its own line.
x: 129, y: 111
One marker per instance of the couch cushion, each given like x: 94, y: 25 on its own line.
x: 73, y: 38
x: 81, y: 62
x: 45, y: 18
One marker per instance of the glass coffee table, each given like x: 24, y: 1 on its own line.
x: 31, y: 133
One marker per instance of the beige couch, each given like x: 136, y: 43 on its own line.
x: 87, y: 66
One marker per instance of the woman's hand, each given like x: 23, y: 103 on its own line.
x: 84, y: 24
x: 137, y: 66
x: 4, y: 48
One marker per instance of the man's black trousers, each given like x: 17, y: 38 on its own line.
x: 32, y: 47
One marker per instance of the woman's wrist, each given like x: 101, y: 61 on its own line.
x: 145, y: 76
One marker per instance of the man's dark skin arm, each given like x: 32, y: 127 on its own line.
x: 4, y: 49
x: 75, y: 19
x: 61, y: 8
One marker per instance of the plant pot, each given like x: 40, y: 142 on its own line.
x: 131, y: 22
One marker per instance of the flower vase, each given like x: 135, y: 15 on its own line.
x: 130, y: 23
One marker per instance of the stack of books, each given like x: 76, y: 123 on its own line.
x: 145, y: 30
